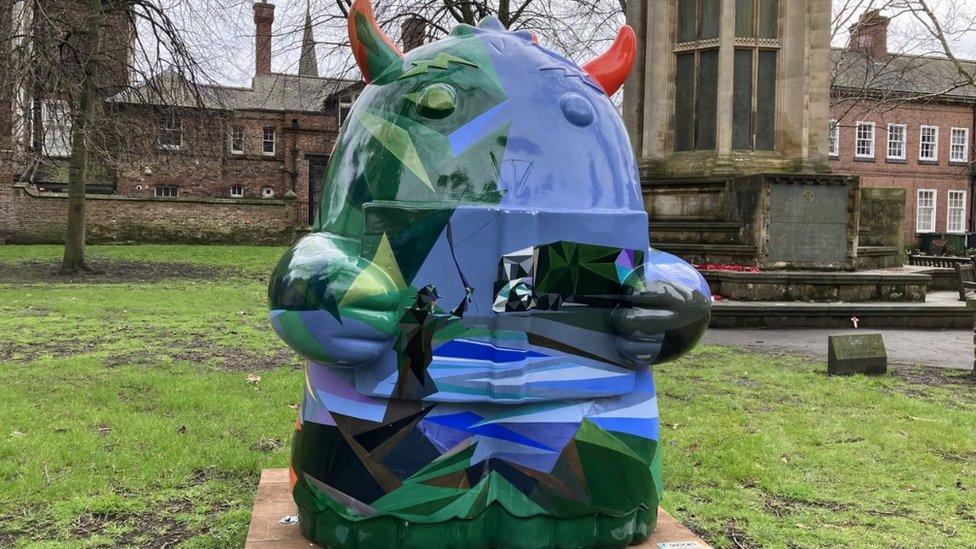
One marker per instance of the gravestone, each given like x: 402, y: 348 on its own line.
x: 856, y: 354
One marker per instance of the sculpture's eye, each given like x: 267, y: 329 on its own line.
x: 576, y: 109
x: 437, y: 101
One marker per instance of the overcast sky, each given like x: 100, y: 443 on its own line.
x: 223, y: 39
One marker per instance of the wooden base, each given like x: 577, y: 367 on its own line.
x: 273, y: 502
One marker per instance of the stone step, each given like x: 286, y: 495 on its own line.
x: 695, y: 224
x: 870, y: 238
x: 942, y: 313
x: 725, y: 254
x: 816, y: 286
x: 696, y: 231
x: 866, y: 251
x: 878, y: 257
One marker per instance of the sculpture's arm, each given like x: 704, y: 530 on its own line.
x: 332, y: 306
x: 672, y: 309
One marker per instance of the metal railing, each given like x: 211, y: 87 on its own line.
x: 947, y: 262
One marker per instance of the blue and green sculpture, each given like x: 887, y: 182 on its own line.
x: 479, y: 305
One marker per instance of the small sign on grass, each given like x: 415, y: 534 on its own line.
x: 856, y: 354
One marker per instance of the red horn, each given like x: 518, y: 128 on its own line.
x: 612, y: 68
x: 375, y: 53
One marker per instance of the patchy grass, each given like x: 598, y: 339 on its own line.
x: 772, y: 452
x: 126, y: 419
x: 257, y: 260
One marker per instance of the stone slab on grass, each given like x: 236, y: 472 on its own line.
x: 273, y: 502
x: 856, y: 354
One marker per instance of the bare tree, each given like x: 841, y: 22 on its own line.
x: 923, y: 30
x: 68, y: 59
x: 580, y: 29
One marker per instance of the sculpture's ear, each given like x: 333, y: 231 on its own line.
x: 374, y: 51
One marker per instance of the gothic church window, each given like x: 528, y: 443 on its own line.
x: 696, y: 78
x: 754, y: 75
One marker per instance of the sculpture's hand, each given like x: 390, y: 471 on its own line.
x: 673, y: 310
x: 332, y: 306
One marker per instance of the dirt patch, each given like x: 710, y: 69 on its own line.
x: 953, y: 457
x: 196, y: 350
x: 227, y: 358
x: 743, y: 382
x: 60, y: 348
x: 157, y: 527
x: 114, y: 271
x: 200, y: 351
x: 202, y: 476
x: 780, y: 506
x: 731, y: 533
x: 150, y: 529
x: 938, y: 377
x: 267, y: 445
x: 739, y: 538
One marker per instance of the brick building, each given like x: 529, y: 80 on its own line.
x: 907, y: 122
x: 247, y: 166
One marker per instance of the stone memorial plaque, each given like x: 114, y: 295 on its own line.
x: 808, y: 223
x: 856, y: 354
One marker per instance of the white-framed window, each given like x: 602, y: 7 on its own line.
x: 56, y: 124
x: 928, y: 144
x: 864, y: 143
x: 956, y: 213
x: 833, y: 139
x: 268, y: 143
x: 959, y: 145
x: 925, y: 211
x: 237, y: 191
x: 345, y: 107
x: 166, y: 191
x: 237, y: 140
x: 171, y: 132
x: 267, y: 192
x: 897, y: 141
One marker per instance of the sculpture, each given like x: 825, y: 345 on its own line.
x: 479, y: 305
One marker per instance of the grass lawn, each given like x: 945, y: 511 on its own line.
x: 126, y: 418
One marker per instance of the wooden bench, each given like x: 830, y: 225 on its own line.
x: 947, y: 262
x: 966, y: 278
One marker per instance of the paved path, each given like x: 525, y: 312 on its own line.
x: 941, y: 349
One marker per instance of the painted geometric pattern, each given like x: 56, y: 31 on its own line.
x: 435, y: 462
x: 480, y: 307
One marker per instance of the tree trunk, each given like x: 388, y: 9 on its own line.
x: 82, y: 113
x: 74, y: 241
x: 505, y: 12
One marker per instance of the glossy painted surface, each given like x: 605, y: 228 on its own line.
x: 480, y: 305
x: 613, y: 67
x: 374, y: 51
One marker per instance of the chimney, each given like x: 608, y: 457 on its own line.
x: 870, y: 35
x: 413, y: 32
x: 263, y: 20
